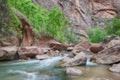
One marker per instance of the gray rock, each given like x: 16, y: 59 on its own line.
x: 73, y: 72
x: 115, y: 68
x: 80, y: 58
x: 110, y: 55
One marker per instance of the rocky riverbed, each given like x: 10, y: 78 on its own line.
x: 66, y: 60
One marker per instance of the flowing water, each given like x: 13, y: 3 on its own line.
x: 45, y: 70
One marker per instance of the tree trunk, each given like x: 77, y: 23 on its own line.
x: 27, y: 33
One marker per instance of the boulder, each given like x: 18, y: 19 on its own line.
x: 41, y: 57
x: 115, y: 68
x: 83, y: 46
x: 32, y: 51
x: 109, y: 55
x: 55, y: 45
x: 95, y: 47
x: 113, y: 43
x: 80, y: 58
x: 73, y: 71
x: 8, y: 53
x: 54, y: 53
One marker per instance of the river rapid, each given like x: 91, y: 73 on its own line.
x: 46, y: 70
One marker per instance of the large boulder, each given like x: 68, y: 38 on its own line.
x: 79, y: 59
x: 55, y: 45
x: 82, y: 46
x: 109, y: 55
x: 8, y: 53
x: 95, y: 47
x: 32, y: 51
x: 73, y: 71
x: 115, y: 68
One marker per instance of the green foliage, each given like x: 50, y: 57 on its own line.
x: 96, y: 35
x: 72, y: 38
x: 52, y: 21
x: 113, y: 27
x: 56, y: 24
x: 8, y: 20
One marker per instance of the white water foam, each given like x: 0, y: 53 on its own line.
x: 88, y: 62
x: 28, y: 75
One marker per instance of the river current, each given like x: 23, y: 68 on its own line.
x: 46, y: 70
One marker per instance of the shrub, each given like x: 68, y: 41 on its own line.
x: 96, y: 35
x: 7, y: 20
x: 53, y: 22
x: 113, y: 27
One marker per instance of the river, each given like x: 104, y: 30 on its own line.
x: 45, y: 70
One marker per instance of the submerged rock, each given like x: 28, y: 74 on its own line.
x: 73, y: 71
x: 115, y: 68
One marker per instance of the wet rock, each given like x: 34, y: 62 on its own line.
x: 73, y: 71
x: 79, y: 59
x: 41, y: 57
x: 110, y: 55
x: 95, y: 47
x: 7, y: 53
x: 115, y: 68
x: 32, y: 51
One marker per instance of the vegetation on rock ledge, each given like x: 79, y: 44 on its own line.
x: 112, y: 28
x: 43, y: 21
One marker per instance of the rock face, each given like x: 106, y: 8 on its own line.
x: 84, y: 13
x: 8, y: 53
x: 55, y: 45
x: 9, y: 41
x: 110, y: 55
x: 115, y: 68
x: 73, y: 71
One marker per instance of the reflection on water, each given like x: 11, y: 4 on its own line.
x: 44, y: 70
x: 100, y: 72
